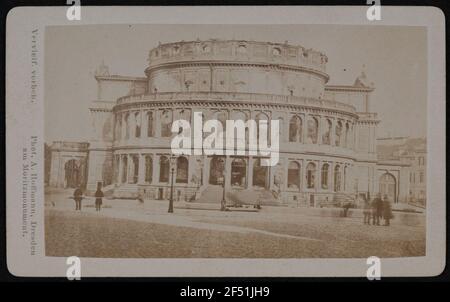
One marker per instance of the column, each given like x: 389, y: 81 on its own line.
x: 333, y: 132
x: 157, y: 122
x: 205, y: 171
x: 319, y: 175
x: 144, y: 124
x: 124, y: 126
x: 130, y: 164
x: 332, y: 177
x: 285, y: 165
x: 191, y: 168
x: 250, y: 173
x: 319, y: 129
x: 304, y: 176
x: 155, y: 170
x: 227, y: 172
x: 305, y: 128
x: 119, y: 181
x: 141, y: 172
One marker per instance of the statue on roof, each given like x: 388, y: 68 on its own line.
x: 102, y: 70
x: 362, y: 81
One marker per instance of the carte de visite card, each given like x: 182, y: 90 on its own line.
x: 240, y: 141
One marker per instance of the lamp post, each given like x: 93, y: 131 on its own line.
x: 223, y: 203
x: 172, y: 172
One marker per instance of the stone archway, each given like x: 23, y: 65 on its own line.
x: 388, y: 186
x: 72, y: 173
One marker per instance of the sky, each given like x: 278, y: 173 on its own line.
x: 394, y: 59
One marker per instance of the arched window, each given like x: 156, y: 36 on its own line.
x: 262, y: 117
x: 326, y: 137
x: 182, y: 170
x: 127, y: 125
x: 337, y: 178
x: 135, y: 171
x: 241, y: 49
x: 164, y: 169
x: 313, y: 130
x: 338, y: 135
x: 166, y: 123
x: 206, y: 48
x: 295, y: 129
x: 222, y: 118
x: 293, y: 175
x: 311, y: 176
x: 240, y: 144
x: 238, y: 172
x: 324, y: 176
x: 276, y: 51
x: 150, y: 132
x: 260, y: 174
x: 137, y: 120
x: 148, y: 169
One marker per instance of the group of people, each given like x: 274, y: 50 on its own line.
x: 78, y: 197
x: 379, y: 208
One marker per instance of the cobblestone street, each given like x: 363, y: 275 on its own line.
x: 126, y: 228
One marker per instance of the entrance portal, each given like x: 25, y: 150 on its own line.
x: 260, y: 174
x: 388, y: 187
x: 216, y: 170
x: 72, y: 174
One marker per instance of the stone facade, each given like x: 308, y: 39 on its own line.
x: 411, y: 153
x: 328, y: 150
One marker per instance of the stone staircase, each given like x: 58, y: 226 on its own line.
x: 211, y: 194
x: 340, y: 198
x: 125, y: 191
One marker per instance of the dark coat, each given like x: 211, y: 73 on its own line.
x: 377, y: 205
x: 387, y: 210
x: 98, y: 196
x: 77, y: 194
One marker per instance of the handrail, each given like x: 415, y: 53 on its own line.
x: 235, y: 96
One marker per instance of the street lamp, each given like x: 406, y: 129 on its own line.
x: 223, y: 203
x: 172, y: 172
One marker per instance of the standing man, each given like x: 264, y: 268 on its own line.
x: 78, y: 196
x: 367, y: 211
x: 377, y: 209
x: 98, y: 197
x: 387, y: 211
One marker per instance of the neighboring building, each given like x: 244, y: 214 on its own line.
x: 328, y: 149
x: 412, y: 153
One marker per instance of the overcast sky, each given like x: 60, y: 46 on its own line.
x: 395, y: 60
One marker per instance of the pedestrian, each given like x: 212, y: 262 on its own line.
x: 377, y: 209
x: 367, y: 211
x: 98, y: 198
x: 387, y: 211
x: 140, y: 197
x: 78, y: 196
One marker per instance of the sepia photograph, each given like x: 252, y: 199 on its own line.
x: 348, y: 179
x: 283, y: 141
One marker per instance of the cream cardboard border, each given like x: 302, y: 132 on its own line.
x: 24, y: 119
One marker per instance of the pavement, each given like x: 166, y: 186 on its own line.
x: 240, y: 232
